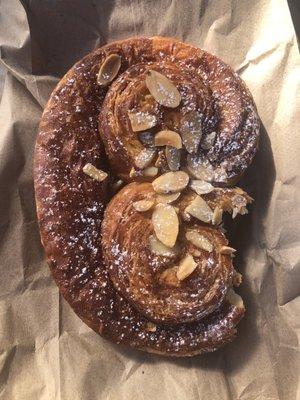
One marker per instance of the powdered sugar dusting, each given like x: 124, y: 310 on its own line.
x: 70, y: 205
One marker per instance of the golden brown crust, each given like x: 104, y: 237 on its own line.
x: 135, y: 270
x: 70, y: 204
x: 206, y: 84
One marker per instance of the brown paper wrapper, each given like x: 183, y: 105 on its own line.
x: 47, y: 352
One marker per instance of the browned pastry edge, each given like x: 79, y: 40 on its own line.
x: 135, y: 270
x: 203, y: 79
x: 70, y: 208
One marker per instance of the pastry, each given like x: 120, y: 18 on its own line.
x: 138, y: 151
x: 171, y: 274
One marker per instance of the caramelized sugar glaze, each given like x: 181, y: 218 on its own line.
x: 115, y: 282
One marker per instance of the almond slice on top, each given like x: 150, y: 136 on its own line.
x: 94, y: 172
x: 191, y: 131
x: 144, y: 158
x: 162, y: 89
x: 150, y: 172
x: 171, y: 182
x: 133, y: 173
x: 186, y: 266
x: 199, y: 240
x: 168, y: 138
x: 168, y: 277
x: 167, y: 198
x: 143, y: 205
x: 158, y: 248
x: 217, y: 216
x: 234, y: 299
x: 201, y: 187
x: 199, y: 168
x: 140, y: 121
x: 227, y: 250
x: 109, y: 69
x: 165, y: 224
x: 199, y: 209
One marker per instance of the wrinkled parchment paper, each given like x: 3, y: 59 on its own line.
x: 46, y: 352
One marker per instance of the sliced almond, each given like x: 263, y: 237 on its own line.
x: 199, y: 209
x: 191, y: 131
x: 94, y: 172
x: 158, y: 248
x: 133, y: 173
x: 109, y: 69
x: 208, y: 141
x: 227, y: 250
x: 151, y: 327
x: 234, y: 299
x: 171, y: 182
x: 165, y: 224
x: 235, y: 212
x: 162, y: 89
x: 144, y: 158
x: 173, y: 156
x: 169, y: 277
x: 237, y: 278
x: 143, y: 205
x: 147, y: 138
x: 217, y: 216
x: 150, y: 172
x: 199, y: 168
x: 199, y: 240
x: 168, y: 138
x: 167, y: 198
x: 186, y: 266
x: 140, y: 121
x: 201, y: 187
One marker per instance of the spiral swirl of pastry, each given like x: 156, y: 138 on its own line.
x: 147, y: 278
x: 213, y: 112
x: 124, y: 273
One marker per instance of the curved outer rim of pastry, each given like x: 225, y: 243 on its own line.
x: 126, y: 233
x: 70, y: 209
